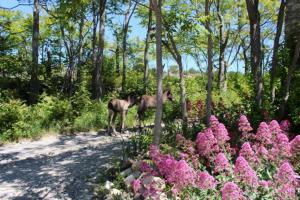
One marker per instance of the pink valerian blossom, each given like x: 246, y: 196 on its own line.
x: 244, y: 172
x: 264, y: 135
x: 185, y: 144
x: 136, y: 185
x: 274, y: 128
x: 261, y: 152
x: 231, y: 191
x: 207, y: 143
x: 178, y: 173
x: 183, y: 156
x: 264, y: 184
x: 213, y: 122
x: 221, y: 163
x: 295, y: 146
x: 244, y: 125
x: 286, y: 191
x: 145, y: 167
x: 286, y: 174
x: 285, y: 125
x: 221, y: 134
x: 248, y: 153
x: 179, y: 139
x: 205, y: 181
x: 281, y: 147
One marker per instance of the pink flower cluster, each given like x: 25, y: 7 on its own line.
x: 205, y: 181
x: 264, y: 134
x: 248, y: 153
x: 221, y: 163
x: 285, y: 125
x: 213, y: 122
x: 178, y: 173
x: 206, y: 143
x: 244, y: 172
x: 221, y: 134
x: 231, y: 191
x: 295, y: 146
x: 281, y: 147
x: 274, y: 128
x: 244, y: 125
x: 286, y: 181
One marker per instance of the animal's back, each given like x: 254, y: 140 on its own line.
x: 118, y: 105
x: 149, y: 101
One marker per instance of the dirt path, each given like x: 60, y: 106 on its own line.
x: 55, y: 167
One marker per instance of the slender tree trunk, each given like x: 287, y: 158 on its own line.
x: 222, y: 46
x: 159, y: 71
x: 97, y: 73
x: 34, y: 82
x: 117, y: 54
x: 127, y: 18
x: 210, y: 64
x: 79, y: 53
x: 256, y: 67
x: 94, y: 36
x: 291, y: 69
x: 146, y: 53
x: 182, y: 95
x: 275, y: 49
x: 49, y: 64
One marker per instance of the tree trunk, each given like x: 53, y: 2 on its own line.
x: 49, y: 63
x: 159, y: 71
x: 97, y: 73
x: 275, y: 49
x: 254, y: 19
x: 127, y: 18
x: 117, y: 54
x: 210, y: 64
x: 146, y: 54
x: 222, y: 46
x: 79, y: 53
x: 34, y: 82
x: 94, y: 36
x: 291, y: 69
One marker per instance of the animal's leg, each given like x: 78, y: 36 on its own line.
x: 113, y: 122
x: 123, y: 117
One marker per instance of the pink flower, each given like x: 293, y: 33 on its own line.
x: 264, y: 184
x: 285, y: 125
x: 136, y: 185
x: 180, y: 139
x: 286, y: 191
x: 295, y: 146
x: 207, y: 143
x: 247, y: 152
x: 213, y: 122
x: 145, y: 167
x: 244, y: 172
x: 281, y: 147
x: 274, y: 128
x: 286, y: 174
x: 221, y: 163
x: 205, y: 181
x: 264, y: 134
x: 231, y: 191
x: 262, y: 152
x: 244, y: 125
x: 183, y: 156
x: 221, y: 134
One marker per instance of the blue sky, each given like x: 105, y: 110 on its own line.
x: 136, y: 31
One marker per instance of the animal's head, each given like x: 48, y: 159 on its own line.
x: 169, y: 95
x: 132, y: 99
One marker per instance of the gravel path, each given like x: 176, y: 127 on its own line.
x: 55, y: 167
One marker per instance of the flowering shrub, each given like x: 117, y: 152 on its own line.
x: 261, y: 168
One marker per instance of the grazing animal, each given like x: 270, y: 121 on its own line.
x: 148, y: 101
x: 120, y: 106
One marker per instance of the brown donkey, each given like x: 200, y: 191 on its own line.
x: 120, y: 106
x: 147, y: 102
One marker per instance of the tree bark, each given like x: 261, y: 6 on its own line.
x: 49, y: 63
x: 222, y: 45
x: 146, y: 53
x: 291, y: 69
x: 156, y: 4
x: 127, y: 18
x: 94, y: 36
x: 254, y: 19
x: 275, y: 49
x: 117, y: 53
x: 34, y: 82
x: 97, y: 73
x: 210, y: 64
